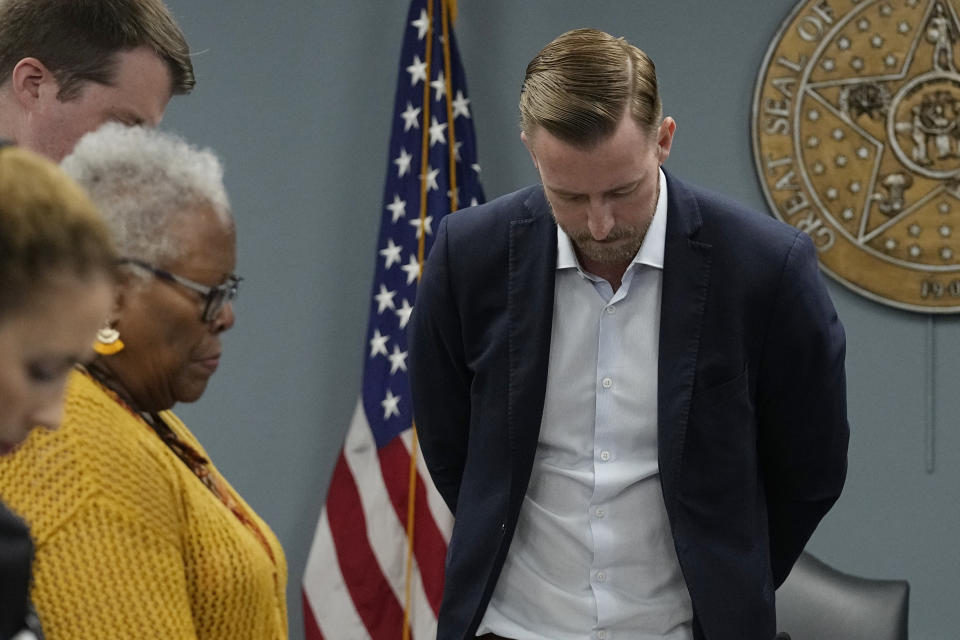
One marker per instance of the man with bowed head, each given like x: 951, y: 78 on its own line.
x: 68, y: 66
x: 630, y: 391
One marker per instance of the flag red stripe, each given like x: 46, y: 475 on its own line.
x: 375, y: 601
x: 310, y: 626
x: 429, y: 546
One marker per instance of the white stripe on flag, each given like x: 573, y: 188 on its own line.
x: 387, y: 536
x: 438, y: 508
x: 323, y: 584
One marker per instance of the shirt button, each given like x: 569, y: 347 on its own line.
x: 600, y: 513
x: 611, y: 310
x: 601, y: 576
x: 604, y: 455
x: 607, y: 383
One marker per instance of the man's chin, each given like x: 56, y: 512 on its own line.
x: 609, y: 252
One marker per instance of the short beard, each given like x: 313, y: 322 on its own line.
x: 605, y: 251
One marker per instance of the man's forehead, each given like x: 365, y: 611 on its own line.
x: 141, y: 88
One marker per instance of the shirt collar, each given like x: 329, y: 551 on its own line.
x: 651, y: 250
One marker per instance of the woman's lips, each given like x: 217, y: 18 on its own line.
x: 210, y: 364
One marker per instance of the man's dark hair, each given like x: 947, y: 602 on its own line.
x: 78, y: 40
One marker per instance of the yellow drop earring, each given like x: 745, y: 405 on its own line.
x: 108, y: 342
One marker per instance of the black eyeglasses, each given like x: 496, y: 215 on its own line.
x: 216, y: 298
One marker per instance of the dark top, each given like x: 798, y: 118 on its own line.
x: 16, y: 554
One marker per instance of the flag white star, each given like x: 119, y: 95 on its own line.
x: 440, y: 86
x: 460, y: 107
x: 475, y: 167
x: 456, y: 150
x: 378, y: 344
x: 398, y: 360
x: 421, y: 226
x: 436, y: 131
x: 412, y: 268
x: 410, y: 118
x: 385, y: 299
x: 390, y: 405
x: 398, y: 207
x: 431, y: 178
x: 403, y: 162
x: 417, y: 70
x: 474, y: 202
x: 391, y: 253
x: 422, y: 24
x: 404, y: 313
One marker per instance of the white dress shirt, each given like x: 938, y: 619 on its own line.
x: 593, y: 554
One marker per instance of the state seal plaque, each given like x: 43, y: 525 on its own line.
x: 856, y: 139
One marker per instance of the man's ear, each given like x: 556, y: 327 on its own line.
x: 665, y: 138
x: 529, y: 145
x: 31, y: 82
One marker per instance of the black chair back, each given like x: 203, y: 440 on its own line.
x: 817, y: 602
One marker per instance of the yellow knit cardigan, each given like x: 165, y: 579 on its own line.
x: 129, y: 542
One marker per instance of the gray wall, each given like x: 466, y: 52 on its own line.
x: 297, y: 98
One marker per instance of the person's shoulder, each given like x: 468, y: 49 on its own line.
x: 94, y: 423
x: 726, y: 221
x: 101, y: 450
x: 501, y: 211
x: 64, y: 466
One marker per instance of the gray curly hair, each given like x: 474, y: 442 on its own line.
x: 141, y: 180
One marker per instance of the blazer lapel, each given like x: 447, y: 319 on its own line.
x: 686, y: 280
x: 532, y: 269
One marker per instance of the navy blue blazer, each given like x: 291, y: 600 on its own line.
x: 752, y: 431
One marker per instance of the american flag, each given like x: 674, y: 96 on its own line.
x: 375, y: 569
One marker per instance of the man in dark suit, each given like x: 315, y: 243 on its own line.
x: 629, y: 391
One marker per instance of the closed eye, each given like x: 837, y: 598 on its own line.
x: 625, y: 191
x: 46, y: 372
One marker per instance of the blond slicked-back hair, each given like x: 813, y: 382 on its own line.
x: 48, y: 227
x: 579, y: 86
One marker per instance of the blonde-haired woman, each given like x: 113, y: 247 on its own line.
x: 56, y: 265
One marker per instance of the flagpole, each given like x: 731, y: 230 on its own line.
x: 425, y: 139
x: 411, y: 506
x: 448, y: 10
x: 448, y: 78
x: 421, y: 249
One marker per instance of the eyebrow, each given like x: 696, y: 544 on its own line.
x: 623, y: 187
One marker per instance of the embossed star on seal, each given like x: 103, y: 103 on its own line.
x: 856, y: 140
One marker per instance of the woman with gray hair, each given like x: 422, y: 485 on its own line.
x: 137, y: 534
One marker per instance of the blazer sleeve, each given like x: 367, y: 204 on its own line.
x: 802, y: 412
x: 439, y: 376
